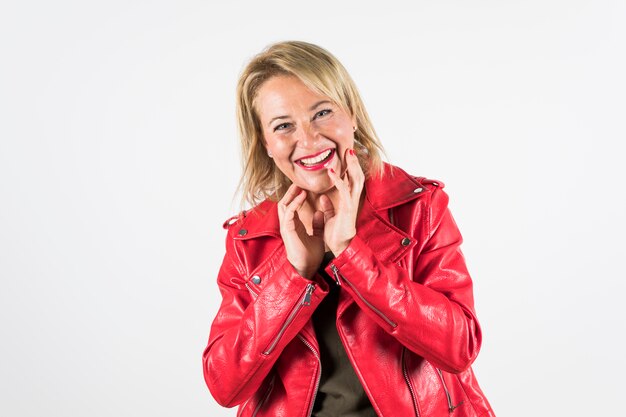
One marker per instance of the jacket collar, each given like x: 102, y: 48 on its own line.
x: 392, y: 188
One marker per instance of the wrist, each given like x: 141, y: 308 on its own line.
x: 305, y: 273
x: 337, y: 249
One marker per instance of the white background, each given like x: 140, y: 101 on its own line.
x: 119, y: 159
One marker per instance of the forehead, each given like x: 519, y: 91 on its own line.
x: 285, y: 94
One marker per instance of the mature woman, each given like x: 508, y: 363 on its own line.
x: 345, y: 292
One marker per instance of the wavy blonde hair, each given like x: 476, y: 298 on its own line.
x: 321, y: 72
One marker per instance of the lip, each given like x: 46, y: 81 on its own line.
x: 321, y: 164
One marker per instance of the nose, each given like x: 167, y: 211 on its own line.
x: 308, y: 135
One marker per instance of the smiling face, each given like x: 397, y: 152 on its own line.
x: 305, y: 132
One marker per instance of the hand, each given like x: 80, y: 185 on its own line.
x: 340, y: 221
x: 305, y: 252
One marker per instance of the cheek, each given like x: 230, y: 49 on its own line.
x: 344, y: 128
x: 339, y: 131
x: 282, y: 152
x: 347, y: 136
x: 274, y: 144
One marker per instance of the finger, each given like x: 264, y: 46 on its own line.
x: 290, y: 209
x: 355, y: 174
x: 346, y: 156
x: 318, y: 224
x: 340, y: 184
x: 327, y: 207
x: 291, y: 193
x: 286, y: 219
x: 299, y: 226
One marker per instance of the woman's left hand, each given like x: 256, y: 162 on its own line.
x: 340, y: 221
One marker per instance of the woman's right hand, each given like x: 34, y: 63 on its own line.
x: 305, y: 252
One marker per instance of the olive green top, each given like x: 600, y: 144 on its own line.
x: 340, y: 392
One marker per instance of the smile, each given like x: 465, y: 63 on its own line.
x: 317, y: 161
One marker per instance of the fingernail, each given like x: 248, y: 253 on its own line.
x: 331, y: 170
x: 351, y: 151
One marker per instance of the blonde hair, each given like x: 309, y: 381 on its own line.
x: 321, y: 72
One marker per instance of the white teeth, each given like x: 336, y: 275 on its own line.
x: 316, y: 159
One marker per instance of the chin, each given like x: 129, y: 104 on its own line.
x: 318, y: 188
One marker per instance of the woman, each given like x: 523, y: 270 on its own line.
x: 344, y: 291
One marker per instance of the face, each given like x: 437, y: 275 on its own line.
x: 305, y: 132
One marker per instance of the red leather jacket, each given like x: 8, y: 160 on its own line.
x: 405, y: 314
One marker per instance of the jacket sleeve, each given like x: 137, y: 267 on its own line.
x: 431, y: 314
x: 250, y: 330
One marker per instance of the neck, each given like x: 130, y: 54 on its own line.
x: 312, y: 202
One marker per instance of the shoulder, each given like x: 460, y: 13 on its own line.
x: 232, y: 220
x: 259, y: 220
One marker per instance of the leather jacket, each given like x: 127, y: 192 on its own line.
x: 405, y: 315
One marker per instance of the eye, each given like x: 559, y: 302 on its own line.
x: 323, y: 113
x: 282, y: 126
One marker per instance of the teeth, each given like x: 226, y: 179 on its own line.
x: 317, y: 159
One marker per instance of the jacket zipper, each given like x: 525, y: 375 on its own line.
x: 306, y: 300
x: 337, y: 274
x: 451, y: 407
x: 319, y: 373
x: 408, y: 382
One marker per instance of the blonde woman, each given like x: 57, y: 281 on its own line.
x: 344, y: 290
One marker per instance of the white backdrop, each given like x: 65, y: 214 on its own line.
x: 119, y: 159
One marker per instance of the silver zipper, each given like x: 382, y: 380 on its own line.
x: 319, y: 373
x: 451, y: 407
x: 377, y: 311
x: 335, y: 273
x: 408, y: 382
x: 306, y: 300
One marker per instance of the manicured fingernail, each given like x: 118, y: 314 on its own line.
x: 351, y: 151
x: 331, y: 170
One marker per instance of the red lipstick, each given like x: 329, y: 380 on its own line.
x: 310, y: 163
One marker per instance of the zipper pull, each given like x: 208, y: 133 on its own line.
x: 335, y: 273
x: 307, y: 295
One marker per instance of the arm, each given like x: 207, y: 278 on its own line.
x: 431, y: 314
x: 249, y: 333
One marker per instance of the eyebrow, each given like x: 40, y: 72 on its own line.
x: 319, y: 103
x: 313, y: 107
